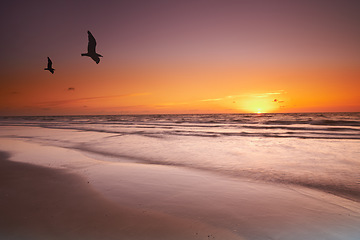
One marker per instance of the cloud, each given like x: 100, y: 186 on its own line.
x: 58, y: 103
x: 222, y: 98
x: 71, y: 89
x: 165, y: 105
x: 264, y: 95
x: 235, y: 96
x: 211, y: 99
x: 257, y: 95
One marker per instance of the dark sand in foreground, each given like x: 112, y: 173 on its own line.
x: 41, y: 203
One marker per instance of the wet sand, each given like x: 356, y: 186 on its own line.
x: 69, y: 194
x: 42, y: 203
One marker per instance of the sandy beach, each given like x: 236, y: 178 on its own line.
x: 42, y: 203
x: 49, y: 192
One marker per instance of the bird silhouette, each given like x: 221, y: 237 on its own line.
x: 49, y: 66
x: 91, y: 49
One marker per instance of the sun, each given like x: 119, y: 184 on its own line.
x: 258, y: 105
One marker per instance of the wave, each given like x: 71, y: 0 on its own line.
x: 235, y: 147
x: 336, y: 123
x: 342, y: 189
x: 168, y: 131
x: 312, y: 126
x: 316, y: 122
x: 338, y: 119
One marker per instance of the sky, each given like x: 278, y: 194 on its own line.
x: 188, y: 56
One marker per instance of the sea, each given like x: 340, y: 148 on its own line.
x: 314, y: 150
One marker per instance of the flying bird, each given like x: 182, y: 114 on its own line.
x: 49, y: 66
x: 278, y: 101
x: 91, y: 49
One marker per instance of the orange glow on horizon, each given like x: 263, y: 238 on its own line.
x: 183, y: 89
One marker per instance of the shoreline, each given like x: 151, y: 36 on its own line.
x: 42, y: 203
x: 162, y: 202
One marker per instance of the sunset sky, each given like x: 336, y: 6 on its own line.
x: 188, y: 56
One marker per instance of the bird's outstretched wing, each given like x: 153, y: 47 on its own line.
x: 49, y: 63
x: 92, y: 43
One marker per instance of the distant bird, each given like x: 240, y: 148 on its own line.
x: 49, y: 66
x: 278, y: 101
x: 91, y: 49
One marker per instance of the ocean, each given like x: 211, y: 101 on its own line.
x: 313, y: 150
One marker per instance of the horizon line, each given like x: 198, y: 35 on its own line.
x: 140, y: 114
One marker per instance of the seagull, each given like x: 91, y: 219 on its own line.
x: 91, y: 49
x: 49, y: 66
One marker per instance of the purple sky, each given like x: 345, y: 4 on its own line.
x: 136, y: 30
x: 189, y: 32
